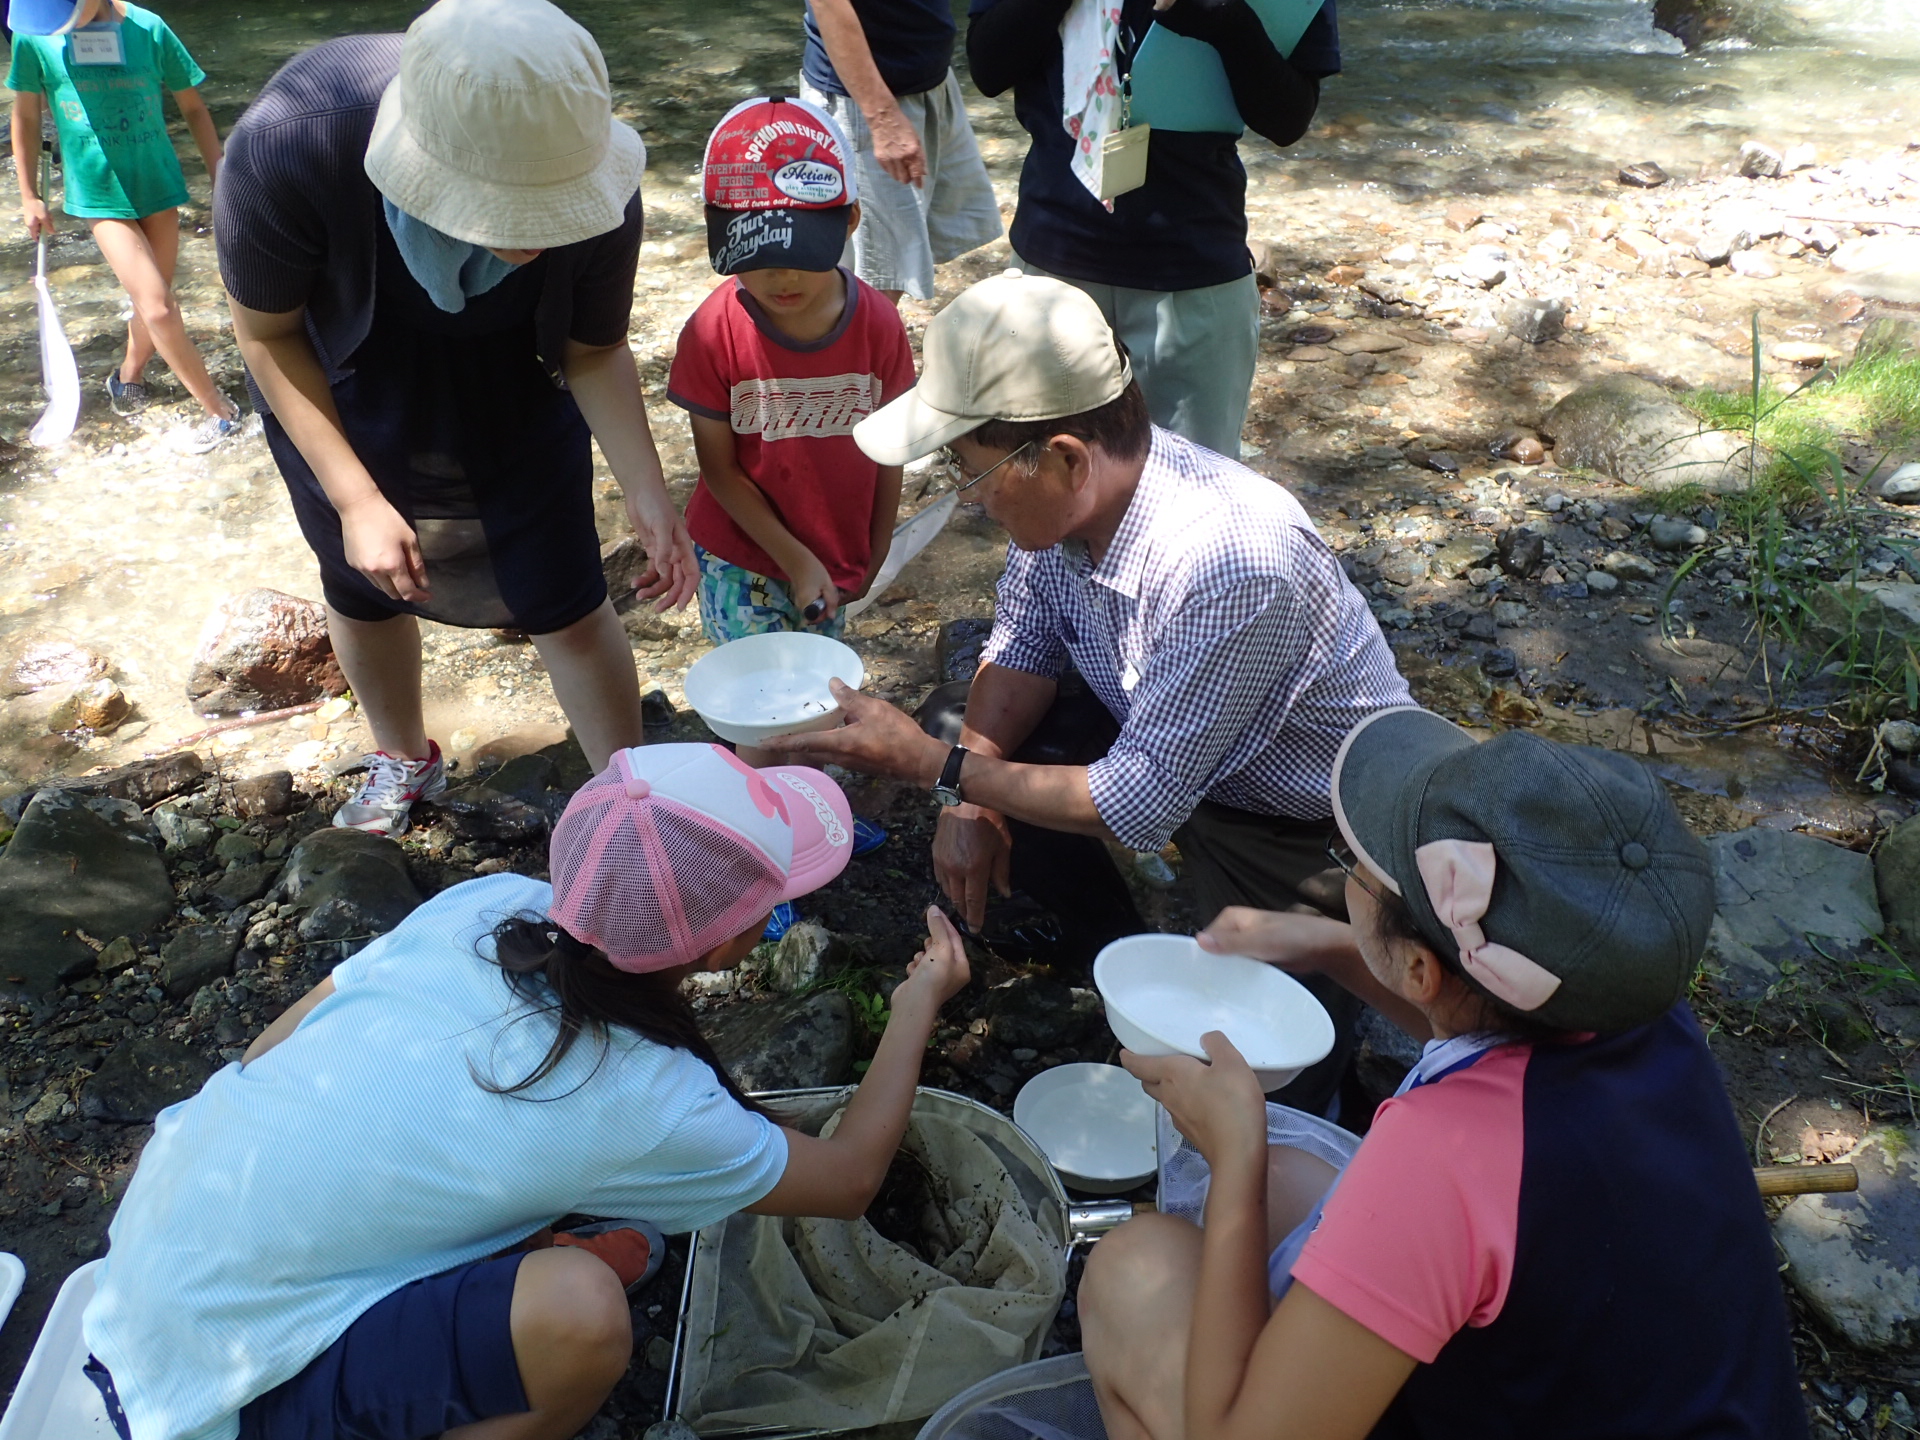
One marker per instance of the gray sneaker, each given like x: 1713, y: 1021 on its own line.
x: 383, y: 804
x: 208, y: 433
x: 126, y: 397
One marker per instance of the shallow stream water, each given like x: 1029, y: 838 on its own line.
x: 119, y: 542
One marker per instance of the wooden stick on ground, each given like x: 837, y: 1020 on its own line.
x: 1806, y: 1179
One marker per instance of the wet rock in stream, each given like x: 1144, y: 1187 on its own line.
x: 262, y: 650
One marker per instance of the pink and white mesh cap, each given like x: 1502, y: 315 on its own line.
x: 674, y: 849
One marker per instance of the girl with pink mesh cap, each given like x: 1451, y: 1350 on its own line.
x: 337, y: 1228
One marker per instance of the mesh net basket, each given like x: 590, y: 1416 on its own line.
x: 1047, y: 1400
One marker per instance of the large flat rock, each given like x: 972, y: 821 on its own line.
x: 1775, y: 889
x: 1855, y: 1258
x: 76, y: 863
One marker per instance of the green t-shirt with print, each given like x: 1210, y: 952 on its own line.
x: 118, y: 158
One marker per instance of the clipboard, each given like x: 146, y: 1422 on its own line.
x: 1179, y: 83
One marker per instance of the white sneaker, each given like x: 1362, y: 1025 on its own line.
x: 393, y: 784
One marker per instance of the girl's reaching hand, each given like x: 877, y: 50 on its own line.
x: 939, y: 971
x: 36, y: 216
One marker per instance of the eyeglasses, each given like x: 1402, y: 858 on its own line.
x: 1338, y: 852
x: 970, y: 480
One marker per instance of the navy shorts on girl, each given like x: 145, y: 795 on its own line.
x: 433, y: 1355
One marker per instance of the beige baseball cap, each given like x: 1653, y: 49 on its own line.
x: 499, y: 129
x: 1013, y: 347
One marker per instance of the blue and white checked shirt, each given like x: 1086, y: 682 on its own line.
x: 1222, y: 634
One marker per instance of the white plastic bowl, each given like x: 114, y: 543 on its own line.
x: 1094, y: 1124
x: 1163, y: 992
x: 759, y: 686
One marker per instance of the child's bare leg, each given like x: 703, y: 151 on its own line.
x: 591, y: 666
x: 1136, y: 1310
x: 1295, y: 1183
x: 164, y: 240
x: 130, y: 249
x: 381, y: 660
x: 572, y: 1339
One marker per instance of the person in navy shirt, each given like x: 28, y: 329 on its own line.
x: 1168, y: 263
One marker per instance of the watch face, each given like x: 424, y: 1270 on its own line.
x: 946, y: 796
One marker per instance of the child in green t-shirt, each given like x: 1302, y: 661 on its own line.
x: 102, y: 64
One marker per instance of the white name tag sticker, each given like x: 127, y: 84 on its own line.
x: 97, y: 45
x: 1123, y: 161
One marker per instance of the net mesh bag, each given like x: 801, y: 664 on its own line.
x: 1184, y: 1175
x: 806, y: 1324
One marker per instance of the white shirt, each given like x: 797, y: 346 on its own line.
x: 273, y: 1208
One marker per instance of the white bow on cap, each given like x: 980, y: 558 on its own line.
x: 1458, y: 875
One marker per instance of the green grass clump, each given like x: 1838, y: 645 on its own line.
x: 1876, y: 397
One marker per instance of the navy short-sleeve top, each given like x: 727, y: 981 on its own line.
x: 295, y: 216
x: 1185, y: 228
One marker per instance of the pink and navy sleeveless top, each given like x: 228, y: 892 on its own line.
x: 1568, y: 1238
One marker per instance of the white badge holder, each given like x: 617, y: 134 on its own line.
x: 1123, y: 153
x: 97, y: 45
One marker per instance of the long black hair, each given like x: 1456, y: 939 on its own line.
x: 557, y: 975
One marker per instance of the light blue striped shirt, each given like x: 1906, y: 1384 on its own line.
x: 273, y: 1208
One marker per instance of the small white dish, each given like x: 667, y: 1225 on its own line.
x: 54, y: 1399
x: 1163, y: 992
x: 1093, y: 1123
x: 759, y: 686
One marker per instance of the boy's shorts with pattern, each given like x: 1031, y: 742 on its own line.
x: 736, y: 602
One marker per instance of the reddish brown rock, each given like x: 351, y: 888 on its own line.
x: 1464, y: 217
x: 261, y: 650
x: 1522, y: 447
x: 99, y: 706
x: 1345, y: 274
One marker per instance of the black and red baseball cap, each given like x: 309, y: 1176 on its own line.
x: 778, y: 179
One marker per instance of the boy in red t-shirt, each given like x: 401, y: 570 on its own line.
x: 790, y: 520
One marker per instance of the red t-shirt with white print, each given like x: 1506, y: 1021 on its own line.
x: 793, y: 407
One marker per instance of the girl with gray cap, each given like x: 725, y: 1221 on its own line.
x: 1552, y: 1230
x: 429, y: 243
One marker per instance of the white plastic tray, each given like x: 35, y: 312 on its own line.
x: 54, y: 1400
x: 12, y: 1276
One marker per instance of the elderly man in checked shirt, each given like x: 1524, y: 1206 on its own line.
x: 1194, y: 597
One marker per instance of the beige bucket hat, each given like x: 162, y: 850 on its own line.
x: 499, y: 128
x: 1012, y: 347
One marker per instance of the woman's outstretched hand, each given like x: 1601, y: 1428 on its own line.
x: 1301, y: 944
x: 939, y: 972
x: 1218, y: 1105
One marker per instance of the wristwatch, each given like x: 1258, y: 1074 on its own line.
x: 947, y: 788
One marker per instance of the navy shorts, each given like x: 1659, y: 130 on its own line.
x: 433, y: 1355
